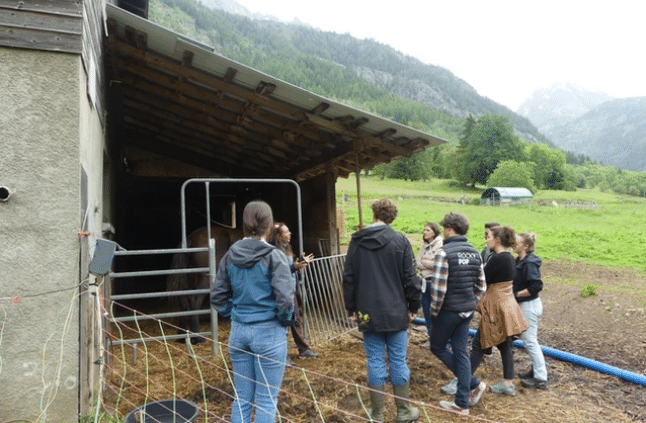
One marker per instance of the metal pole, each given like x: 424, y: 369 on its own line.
x: 214, y: 312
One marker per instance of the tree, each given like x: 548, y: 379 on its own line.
x: 492, y: 141
x: 510, y: 173
x: 412, y: 168
x: 550, y: 170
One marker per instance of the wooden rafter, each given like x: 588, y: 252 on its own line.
x: 224, y: 119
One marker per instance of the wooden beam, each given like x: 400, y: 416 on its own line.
x: 322, y: 107
x: 228, y: 77
x: 228, y: 107
x: 265, y: 89
x: 246, y: 94
x: 358, y: 122
x: 187, y: 58
x: 249, y: 142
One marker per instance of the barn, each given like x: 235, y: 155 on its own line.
x: 104, y: 116
x: 505, y: 196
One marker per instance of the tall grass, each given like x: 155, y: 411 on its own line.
x: 603, y: 228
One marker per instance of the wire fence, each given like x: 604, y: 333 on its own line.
x: 165, y: 372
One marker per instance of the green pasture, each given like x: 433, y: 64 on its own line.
x: 595, y: 227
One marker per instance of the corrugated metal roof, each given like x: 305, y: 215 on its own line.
x: 508, y: 192
x: 216, y: 108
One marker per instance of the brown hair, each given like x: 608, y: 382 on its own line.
x: 529, y: 239
x: 456, y: 221
x: 434, y: 227
x: 384, y: 210
x: 276, y: 232
x: 257, y: 218
x: 490, y: 225
x: 505, y: 234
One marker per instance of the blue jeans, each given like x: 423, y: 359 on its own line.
x: 396, y: 344
x: 258, y: 353
x: 450, y: 326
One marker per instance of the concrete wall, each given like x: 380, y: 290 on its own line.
x: 44, y: 119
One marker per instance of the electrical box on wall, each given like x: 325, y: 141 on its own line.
x: 103, y: 255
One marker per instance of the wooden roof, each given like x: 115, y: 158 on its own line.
x: 180, y: 99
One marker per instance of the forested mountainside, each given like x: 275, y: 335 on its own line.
x: 361, y: 73
x: 614, y: 133
x: 611, y: 131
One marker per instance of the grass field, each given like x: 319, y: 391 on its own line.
x: 587, y: 226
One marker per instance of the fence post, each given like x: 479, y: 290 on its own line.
x: 214, y: 312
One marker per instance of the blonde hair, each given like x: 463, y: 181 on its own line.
x: 529, y: 239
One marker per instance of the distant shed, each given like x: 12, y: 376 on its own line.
x: 504, y: 196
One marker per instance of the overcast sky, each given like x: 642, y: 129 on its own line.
x: 504, y: 49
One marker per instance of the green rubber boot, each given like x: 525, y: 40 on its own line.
x: 405, y: 413
x: 377, y: 398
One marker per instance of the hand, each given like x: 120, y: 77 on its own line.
x: 301, y: 264
x: 308, y: 259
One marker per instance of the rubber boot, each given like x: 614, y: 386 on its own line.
x: 405, y: 413
x: 377, y: 399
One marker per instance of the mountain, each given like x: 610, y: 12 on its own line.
x: 611, y: 131
x: 559, y: 104
x: 361, y: 73
x: 614, y: 133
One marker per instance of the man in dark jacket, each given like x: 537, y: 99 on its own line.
x: 383, y: 293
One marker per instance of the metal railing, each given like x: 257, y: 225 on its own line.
x: 212, y: 334
x: 325, y: 317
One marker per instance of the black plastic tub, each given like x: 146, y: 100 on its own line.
x: 164, y: 411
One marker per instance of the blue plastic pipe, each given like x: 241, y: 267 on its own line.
x: 575, y: 359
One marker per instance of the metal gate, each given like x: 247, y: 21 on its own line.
x: 323, y: 306
x: 213, y: 333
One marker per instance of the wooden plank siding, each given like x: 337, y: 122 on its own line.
x: 52, y: 25
x: 93, y: 53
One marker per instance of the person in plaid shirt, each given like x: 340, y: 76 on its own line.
x: 456, y: 283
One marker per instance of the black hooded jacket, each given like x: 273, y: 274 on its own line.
x: 379, y: 279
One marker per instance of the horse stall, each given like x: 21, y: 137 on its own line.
x: 164, y: 248
x: 192, y: 138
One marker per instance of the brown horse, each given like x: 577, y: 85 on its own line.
x: 224, y: 239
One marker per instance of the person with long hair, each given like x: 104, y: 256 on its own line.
x: 501, y: 317
x: 255, y: 287
x: 280, y: 237
x: 432, y: 239
x: 527, y: 285
x: 486, y: 252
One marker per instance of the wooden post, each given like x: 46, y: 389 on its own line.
x: 358, y: 173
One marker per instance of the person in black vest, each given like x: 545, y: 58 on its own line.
x: 382, y: 292
x: 457, y: 283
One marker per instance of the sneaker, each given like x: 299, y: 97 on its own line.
x: 526, y: 375
x: 308, y: 354
x: 450, y: 388
x: 534, y: 383
x: 426, y: 345
x: 476, y: 394
x: 290, y: 362
x: 451, y: 406
x: 503, y: 388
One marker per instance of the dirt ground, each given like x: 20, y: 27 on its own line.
x: 609, y: 327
